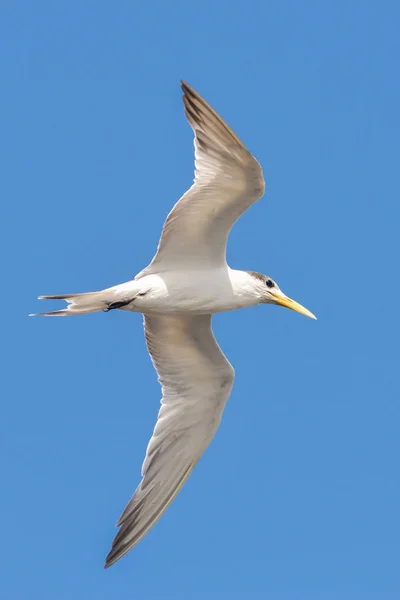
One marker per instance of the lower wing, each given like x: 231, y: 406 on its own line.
x: 196, y: 381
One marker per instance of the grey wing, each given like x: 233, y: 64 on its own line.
x: 196, y: 381
x: 228, y: 180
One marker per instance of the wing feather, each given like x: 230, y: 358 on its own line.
x: 196, y: 381
x: 228, y: 180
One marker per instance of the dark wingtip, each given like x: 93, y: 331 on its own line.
x: 186, y: 89
x: 111, y: 558
x: 107, y: 562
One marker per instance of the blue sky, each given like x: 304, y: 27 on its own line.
x: 297, y: 497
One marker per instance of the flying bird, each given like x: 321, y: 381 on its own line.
x: 188, y: 281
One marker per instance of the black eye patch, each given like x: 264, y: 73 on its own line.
x: 270, y: 283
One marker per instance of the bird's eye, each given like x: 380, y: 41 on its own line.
x: 270, y: 283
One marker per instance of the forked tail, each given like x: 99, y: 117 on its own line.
x: 80, y: 304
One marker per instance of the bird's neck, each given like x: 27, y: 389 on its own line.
x: 243, y: 288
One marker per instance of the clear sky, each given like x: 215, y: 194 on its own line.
x: 298, y: 496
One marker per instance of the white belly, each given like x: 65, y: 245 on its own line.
x: 197, y: 292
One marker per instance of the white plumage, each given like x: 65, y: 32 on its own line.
x: 187, y: 281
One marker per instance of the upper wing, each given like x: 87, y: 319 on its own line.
x: 228, y: 179
x: 196, y: 381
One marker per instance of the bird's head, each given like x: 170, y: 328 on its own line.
x: 269, y: 293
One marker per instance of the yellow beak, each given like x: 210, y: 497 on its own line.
x: 292, y: 304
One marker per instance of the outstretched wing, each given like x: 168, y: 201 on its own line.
x: 228, y: 180
x: 196, y: 381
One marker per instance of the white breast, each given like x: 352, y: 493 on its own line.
x: 194, y: 292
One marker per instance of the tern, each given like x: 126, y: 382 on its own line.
x: 188, y: 281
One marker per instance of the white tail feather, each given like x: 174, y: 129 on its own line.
x: 79, y: 304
